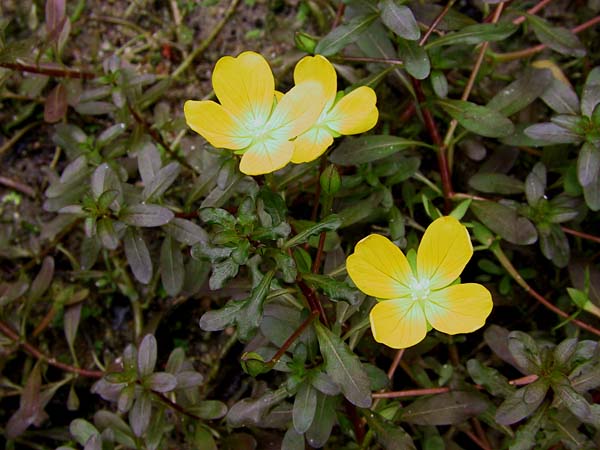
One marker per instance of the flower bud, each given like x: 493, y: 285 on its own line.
x: 254, y: 364
x: 305, y: 42
x: 330, y: 180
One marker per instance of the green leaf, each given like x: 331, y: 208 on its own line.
x: 161, y: 181
x: 251, y: 314
x: 106, y: 232
x: 554, y: 244
x: 147, y: 353
x: 123, y: 435
x: 82, y: 431
x: 505, y: 221
x: 478, y: 119
x: 209, y: 409
x: 149, y: 163
x: 526, y: 435
x: 496, y: 183
x: 525, y: 351
x: 361, y: 210
x: 365, y: 149
x: 522, y: 403
x: 171, y: 267
x: 219, y: 319
x: 186, y: 231
x: 344, y: 367
x: 521, y: 92
x: 138, y: 256
x: 444, y: 409
x: 161, y: 382
x: 416, y: 60
x: 575, y: 402
x: 110, y: 134
x: 292, y: 440
x: 588, y: 164
x: 475, y: 34
x: 250, y: 411
x: 400, y: 20
x: 330, y: 223
x: 564, y: 351
x: 494, y: 382
x: 557, y: 38
x: 305, y: 405
x: 590, y: 97
x: 439, y: 83
x: 585, y: 376
x: 550, y: 134
x: 334, y: 289
x: 535, y: 184
x: 344, y: 34
x: 320, y: 430
x: 143, y: 215
x: 140, y: 414
x: 222, y: 272
x: 591, y: 193
x: 389, y: 435
x: 561, y: 98
x: 42, y: 280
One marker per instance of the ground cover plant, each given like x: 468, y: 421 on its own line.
x: 299, y: 224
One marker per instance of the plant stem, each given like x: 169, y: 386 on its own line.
x: 313, y: 301
x: 442, y: 390
x: 36, y: 353
x: 511, y: 56
x: 436, y: 22
x: 505, y: 262
x: 50, y: 71
x: 290, y: 340
x: 205, y: 43
x: 519, y: 20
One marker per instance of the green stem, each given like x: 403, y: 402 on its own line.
x: 204, y: 44
x: 505, y: 262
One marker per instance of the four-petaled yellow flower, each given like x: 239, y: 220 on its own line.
x: 352, y: 114
x: 252, y: 119
x: 414, y: 298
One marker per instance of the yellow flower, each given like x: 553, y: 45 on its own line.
x: 252, y: 119
x: 414, y: 298
x: 354, y: 113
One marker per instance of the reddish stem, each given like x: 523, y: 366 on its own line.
x: 50, y: 71
x: 295, y: 335
x: 33, y: 351
x: 437, y: 140
x: 581, y: 234
x: 313, y: 301
x: 435, y: 23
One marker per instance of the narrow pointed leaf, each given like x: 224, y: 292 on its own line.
x: 344, y: 367
x: 344, y: 34
x: 138, y: 255
x: 478, y: 119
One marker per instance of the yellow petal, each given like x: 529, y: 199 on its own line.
x: 460, y: 308
x: 297, y: 110
x: 379, y: 268
x: 444, y: 252
x: 355, y: 112
x: 215, y: 124
x: 278, y: 96
x: 317, y: 68
x: 311, y: 144
x: 245, y: 87
x: 398, y: 323
x: 266, y: 156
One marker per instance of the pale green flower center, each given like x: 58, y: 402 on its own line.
x: 420, y: 289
